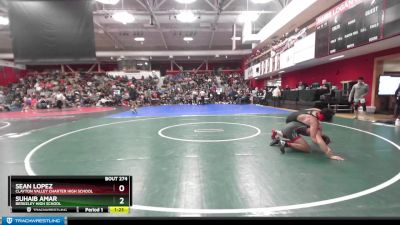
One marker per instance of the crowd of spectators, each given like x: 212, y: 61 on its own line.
x: 58, y: 90
x: 203, y: 88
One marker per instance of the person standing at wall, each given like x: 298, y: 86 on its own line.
x: 301, y: 86
x: 253, y: 96
x: 264, y: 96
x: 133, y: 95
x: 276, y: 96
x: 357, y: 96
x: 397, y: 107
x: 202, y: 97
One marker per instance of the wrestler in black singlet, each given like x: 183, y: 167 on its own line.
x: 293, y: 130
x: 293, y: 116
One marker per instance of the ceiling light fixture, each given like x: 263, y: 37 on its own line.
x: 123, y: 17
x: 337, y: 57
x: 188, y: 39
x: 261, y: 1
x: 236, y: 38
x: 108, y: 2
x: 281, y: 71
x: 171, y: 56
x: 4, y: 20
x: 186, y: 16
x: 139, y: 39
x: 248, y: 16
x: 185, y: 1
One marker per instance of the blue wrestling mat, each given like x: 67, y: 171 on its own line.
x: 196, y: 110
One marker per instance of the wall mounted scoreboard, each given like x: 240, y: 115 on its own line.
x: 354, y: 23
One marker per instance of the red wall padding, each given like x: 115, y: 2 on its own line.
x: 10, y: 75
x: 349, y: 69
x: 260, y: 84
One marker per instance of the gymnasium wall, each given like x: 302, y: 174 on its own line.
x: 161, y: 66
x: 335, y: 72
x: 75, y: 67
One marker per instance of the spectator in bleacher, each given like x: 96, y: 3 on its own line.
x: 2, y: 98
x: 27, y: 105
x: 34, y: 102
x: 87, y: 89
x: 3, y: 105
x: 60, y: 99
x: 233, y: 95
x: 42, y: 103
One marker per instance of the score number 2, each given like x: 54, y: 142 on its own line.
x: 121, y: 188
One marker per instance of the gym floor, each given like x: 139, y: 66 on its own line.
x: 212, y: 160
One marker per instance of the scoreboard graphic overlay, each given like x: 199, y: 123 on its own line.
x: 69, y: 194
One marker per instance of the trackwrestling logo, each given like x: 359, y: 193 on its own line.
x: 33, y: 220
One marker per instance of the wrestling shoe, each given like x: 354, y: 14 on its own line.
x: 282, y: 145
x: 274, y: 142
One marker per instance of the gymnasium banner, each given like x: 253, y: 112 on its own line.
x: 4, y: 63
x: 52, y: 31
x: 136, y: 74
